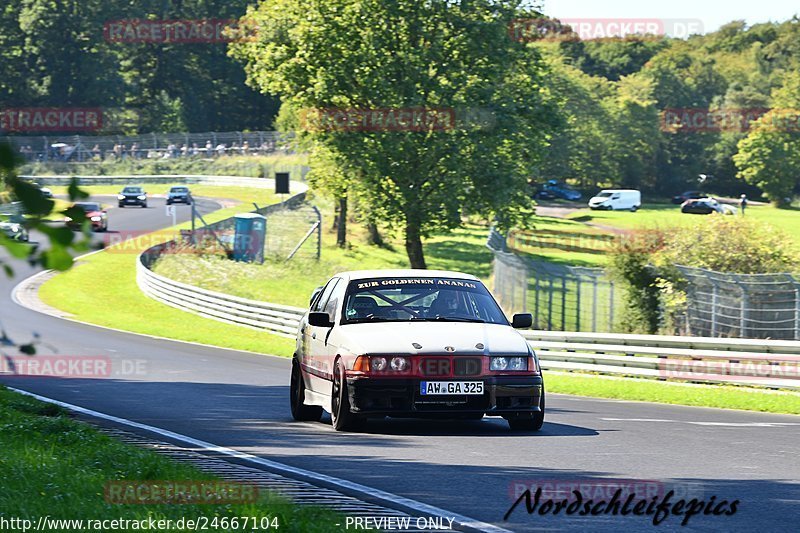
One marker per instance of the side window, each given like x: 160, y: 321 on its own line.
x: 333, y: 301
x: 326, y: 293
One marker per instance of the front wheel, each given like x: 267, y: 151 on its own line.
x: 634, y: 208
x: 297, y: 390
x: 342, y: 418
x: 144, y: 205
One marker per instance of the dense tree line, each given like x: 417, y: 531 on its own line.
x: 60, y: 54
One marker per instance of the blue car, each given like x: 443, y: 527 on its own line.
x: 559, y: 190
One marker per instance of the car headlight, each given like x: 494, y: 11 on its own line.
x: 97, y: 219
x: 141, y: 197
x: 399, y: 364
x: 67, y: 219
x: 14, y: 228
x: 120, y: 197
x: 378, y: 364
x: 508, y: 363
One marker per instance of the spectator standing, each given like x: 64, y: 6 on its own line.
x: 221, y: 149
x: 209, y: 149
x: 743, y: 203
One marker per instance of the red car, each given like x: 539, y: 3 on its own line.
x: 97, y: 216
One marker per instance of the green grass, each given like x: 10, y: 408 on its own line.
x: 721, y: 396
x: 670, y: 216
x: 58, y: 467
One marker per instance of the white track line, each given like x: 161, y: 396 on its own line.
x: 386, y: 497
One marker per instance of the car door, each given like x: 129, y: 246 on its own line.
x: 314, y: 357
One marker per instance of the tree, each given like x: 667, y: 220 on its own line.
x: 769, y: 157
x: 449, y: 60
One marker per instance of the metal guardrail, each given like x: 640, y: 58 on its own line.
x: 753, y: 362
x: 13, y: 208
x: 278, y: 319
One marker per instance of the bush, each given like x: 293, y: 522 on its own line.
x: 645, y: 264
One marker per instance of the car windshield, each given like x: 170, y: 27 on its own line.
x: 88, y: 207
x: 179, y: 189
x: 423, y: 299
x: 132, y: 190
x: 604, y: 194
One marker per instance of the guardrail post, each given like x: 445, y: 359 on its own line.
x: 578, y: 304
x: 563, y: 302
x: 714, y: 310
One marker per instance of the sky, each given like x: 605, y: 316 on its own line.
x: 709, y: 14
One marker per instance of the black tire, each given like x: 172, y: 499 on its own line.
x: 297, y: 391
x: 122, y: 205
x: 528, y: 423
x: 144, y: 205
x: 634, y: 208
x: 342, y: 419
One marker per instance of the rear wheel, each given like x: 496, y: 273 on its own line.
x: 634, y: 208
x: 342, y: 418
x: 528, y: 422
x: 297, y: 391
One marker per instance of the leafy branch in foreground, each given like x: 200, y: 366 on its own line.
x: 34, y: 213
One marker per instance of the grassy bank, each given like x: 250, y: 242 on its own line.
x: 56, y: 467
x: 721, y: 396
x: 77, y: 292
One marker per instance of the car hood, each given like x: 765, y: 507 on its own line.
x: 433, y: 337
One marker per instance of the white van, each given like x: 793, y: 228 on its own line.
x: 617, y: 199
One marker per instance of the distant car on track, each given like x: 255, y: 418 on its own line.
x: 412, y: 343
x: 14, y: 228
x: 179, y: 194
x: 560, y: 190
x: 97, y: 216
x: 706, y: 206
x: 132, y: 195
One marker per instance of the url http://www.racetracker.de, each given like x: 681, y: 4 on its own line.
x: 201, y: 523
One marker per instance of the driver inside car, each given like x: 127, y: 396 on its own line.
x: 446, y: 304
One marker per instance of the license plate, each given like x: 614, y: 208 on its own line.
x: 432, y: 388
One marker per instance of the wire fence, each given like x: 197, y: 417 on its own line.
x: 293, y: 230
x: 86, y: 148
x: 560, y: 297
x: 742, y: 305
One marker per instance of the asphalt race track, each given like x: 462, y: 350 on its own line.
x: 240, y: 400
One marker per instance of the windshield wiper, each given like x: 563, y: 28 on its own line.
x: 370, y: 318
x: 456, y: 319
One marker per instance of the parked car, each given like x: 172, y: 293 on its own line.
x: 560, y: 190
x: 688, y: 195
x: 132, y: 195
x: 617, y: 199
x: 411, y: 343
x: 706, y: 206
x: 14, y: 228
x: 179, y: 194
x: 46, y: 192
x: 97, y: 216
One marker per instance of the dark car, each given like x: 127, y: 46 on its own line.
x: 14, y: 228
x: 688, y: 195
x: 413, y: 344
x: 132, y: 196
x: 179, y: 195
x: 560, y: 190
x: 97, y: 216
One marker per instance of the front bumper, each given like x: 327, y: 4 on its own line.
x: 132, y: 201
x: 502, y: 395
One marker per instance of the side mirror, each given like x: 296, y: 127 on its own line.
x: 314, y: 295
x: 522, y: 321
x: 320, y: 320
